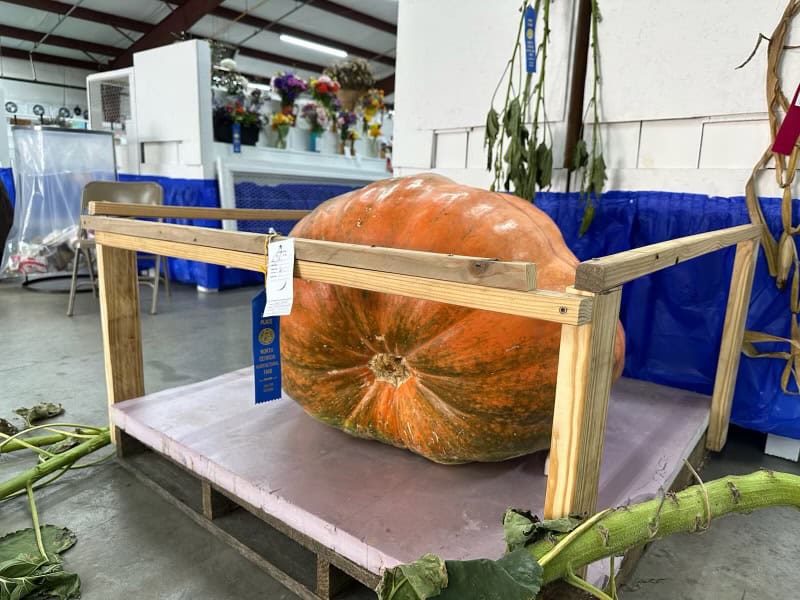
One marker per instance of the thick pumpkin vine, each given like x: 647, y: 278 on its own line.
x: 520, y: 159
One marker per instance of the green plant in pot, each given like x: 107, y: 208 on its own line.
x: 355, y: 77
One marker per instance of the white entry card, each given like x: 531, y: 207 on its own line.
x: 280, y: 271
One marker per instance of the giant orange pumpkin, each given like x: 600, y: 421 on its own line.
x: 450, y: 383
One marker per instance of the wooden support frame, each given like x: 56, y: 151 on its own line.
x: 588, y: 314
x: 744, y: 268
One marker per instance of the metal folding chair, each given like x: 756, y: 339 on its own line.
x: 145, y: 192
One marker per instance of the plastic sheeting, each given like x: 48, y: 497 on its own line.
x: 53, y: 166
x: 204, y: 193
x: 673, y: 319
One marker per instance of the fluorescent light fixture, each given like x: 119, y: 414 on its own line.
x: 290, y: 39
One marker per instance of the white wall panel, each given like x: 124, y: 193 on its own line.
x: 672, y: 144
x: 733, y: 144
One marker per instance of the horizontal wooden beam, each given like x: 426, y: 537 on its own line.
x: 354, y: 15
x: 85, y: 14
x: 51, y: 59
x: 604, y: 274
x: 511, y: 275
x: 155, y: 211
x: 19, y: 33
x: 548, y: 306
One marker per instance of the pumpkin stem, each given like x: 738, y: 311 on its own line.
x: 390, y: 368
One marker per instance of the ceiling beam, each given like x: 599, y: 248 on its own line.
x: 57, y: 40
x: 386, y: 84
x: 50, y: 59
x: 85, y: 14
x: 276, y: 27
x: 354, y: 15
x: 179, y: 20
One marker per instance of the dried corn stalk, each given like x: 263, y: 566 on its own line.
x: 781, y: 252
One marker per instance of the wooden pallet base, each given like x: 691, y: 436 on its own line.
x: 363, y: 506
x: 300, y: 564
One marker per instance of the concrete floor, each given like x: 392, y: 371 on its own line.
x: 131, y: 542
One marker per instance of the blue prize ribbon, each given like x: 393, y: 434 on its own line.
x: 266, y: 351
x: 530, y: 39
x: 237, y: 137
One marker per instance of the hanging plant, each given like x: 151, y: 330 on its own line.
x: 590, y: 163
x: 518, y: 151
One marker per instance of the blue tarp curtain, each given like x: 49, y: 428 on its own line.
x: 7, y: 177
x: 673, y: 318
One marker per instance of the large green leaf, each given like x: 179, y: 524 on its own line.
x: 516, y: 576
x: 55, y: 539
x: 24, y: 573
x: 422, y: 579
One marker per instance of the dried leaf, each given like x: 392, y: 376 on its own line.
x: 787, y: 252
x: 492, y: 129
x: 39, y: 412
x: 598, y: 177
x: 588, y: 216
x: 580, y: 158
x: 7, y: 427
x: 511, y: 118
x: 544, y: 165
x: 63, y: 445
x: 521, y: 527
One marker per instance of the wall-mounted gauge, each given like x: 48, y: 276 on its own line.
x: 64, y: 112
x: 77, y: 110
x: 38, y: 110
x: 11, y: 107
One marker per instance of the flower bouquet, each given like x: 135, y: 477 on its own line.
x: 355, y: 77
x: 225, y: 115
x: 289, y: 86
x: 281, y: 123
x: 371, y: 105
x: 347, y: 132
x: 317, y: 116
x: 324, y: 90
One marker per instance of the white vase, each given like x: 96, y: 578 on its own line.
x: 298, y: 139
x: 372, y: 147
x: 329, y: 143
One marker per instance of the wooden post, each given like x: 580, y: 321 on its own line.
x: 744, y: 266
x: 585, y: 365
x: 122, y: 336
x: 330, y: 580
x: 214, y: 504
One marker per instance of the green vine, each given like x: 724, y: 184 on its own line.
x: 527, y: 162
x: 591, y: 164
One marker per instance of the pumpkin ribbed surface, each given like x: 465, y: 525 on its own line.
x: 450, y: 383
